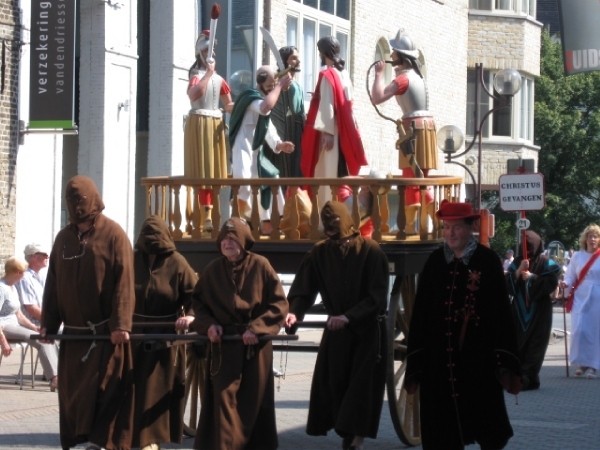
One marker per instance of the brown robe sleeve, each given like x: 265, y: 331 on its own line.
x: 50, y: 313
x: 275, y: 305
x: 123, y: 300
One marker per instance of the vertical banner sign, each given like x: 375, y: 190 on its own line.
x: 52, y: 72
x: 580, y: 35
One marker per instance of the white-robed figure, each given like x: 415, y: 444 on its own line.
x: 585, y: 313
x: 249, y: 128
x: 331, y: 144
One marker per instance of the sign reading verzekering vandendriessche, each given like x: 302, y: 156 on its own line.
x: 52, y: 64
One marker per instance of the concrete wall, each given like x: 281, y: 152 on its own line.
x: 504, y: 42
x: 173, y: 33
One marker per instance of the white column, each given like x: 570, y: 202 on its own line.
x: 107, y: 114
x: 173, y: 32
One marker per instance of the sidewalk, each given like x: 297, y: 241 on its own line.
x: 562, y: 414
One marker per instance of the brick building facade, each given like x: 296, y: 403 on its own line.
x: 9, y: 125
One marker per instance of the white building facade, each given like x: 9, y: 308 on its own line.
x: 132, y: 73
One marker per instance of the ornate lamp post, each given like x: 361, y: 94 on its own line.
x: 507, y: 83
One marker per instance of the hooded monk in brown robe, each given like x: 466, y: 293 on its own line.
x: 351, y: 274
x: 164, y: 282
x: 238, y: 294
x: 89, y: 289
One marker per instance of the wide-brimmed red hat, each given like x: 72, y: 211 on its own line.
x: 456, y: 211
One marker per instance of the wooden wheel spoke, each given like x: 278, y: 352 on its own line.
x: 399, y: 375
x: 404, y: 408
x: 193, y: 387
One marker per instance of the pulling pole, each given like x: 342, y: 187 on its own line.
x: 565, y: 330
x: 524, y: 238
x: 157, y: 337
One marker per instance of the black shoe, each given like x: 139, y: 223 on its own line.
x: 347, y: 442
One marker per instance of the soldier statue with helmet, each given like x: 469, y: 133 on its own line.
x: 418, y: 139
x: 205, y: 151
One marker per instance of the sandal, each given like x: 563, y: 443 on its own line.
x: 580, y: 371
x: 590, y: 373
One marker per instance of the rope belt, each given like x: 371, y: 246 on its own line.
x: 91, y: 326
x: 250, y: 350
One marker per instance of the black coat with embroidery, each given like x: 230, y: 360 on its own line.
x: 461, y: 333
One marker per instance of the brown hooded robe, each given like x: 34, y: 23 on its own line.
x: 163, y: 292
x: 238, y: 407
x: 532, y: 307
x: 90, y: 281
x: 349, y: 378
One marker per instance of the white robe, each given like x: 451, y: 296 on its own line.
x: 326, y: 121
x: 245, y: 160
x: 585, y: 315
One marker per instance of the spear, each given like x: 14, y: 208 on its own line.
x: 215, y: 12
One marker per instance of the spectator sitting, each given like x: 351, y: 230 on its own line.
x: 31, y: 286
x: 14, y: 324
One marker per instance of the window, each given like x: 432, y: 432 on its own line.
x: 307, y: 22
x: 526, y: 7
x: 339, y: 8
x: 515, y: 122
x: 382, y: 52
x: 483, y: 101
x: 526, y: 110
x: 242, y: 47
x: 483, y: 5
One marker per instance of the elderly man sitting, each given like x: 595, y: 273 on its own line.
x: 31, y: 286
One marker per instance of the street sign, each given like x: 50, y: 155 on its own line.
x: 522, y: 192
x: 523, y: 224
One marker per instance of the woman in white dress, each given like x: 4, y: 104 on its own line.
x: 585, y: 315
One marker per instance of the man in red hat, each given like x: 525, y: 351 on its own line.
x: 462, y: 344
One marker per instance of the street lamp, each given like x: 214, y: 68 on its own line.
x: 507, y: 83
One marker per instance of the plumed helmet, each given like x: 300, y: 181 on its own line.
x: 403, y: 44
x: 202, y: 41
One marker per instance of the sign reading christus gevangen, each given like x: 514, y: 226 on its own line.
x: 522, y: 192
x: 52, y: 72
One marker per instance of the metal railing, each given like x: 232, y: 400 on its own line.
x: 175, y: 200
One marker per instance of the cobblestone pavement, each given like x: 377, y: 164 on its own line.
x: 562, y: 414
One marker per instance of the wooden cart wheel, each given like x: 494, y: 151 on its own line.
x: 194, y: 384
x: 404, y: 408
